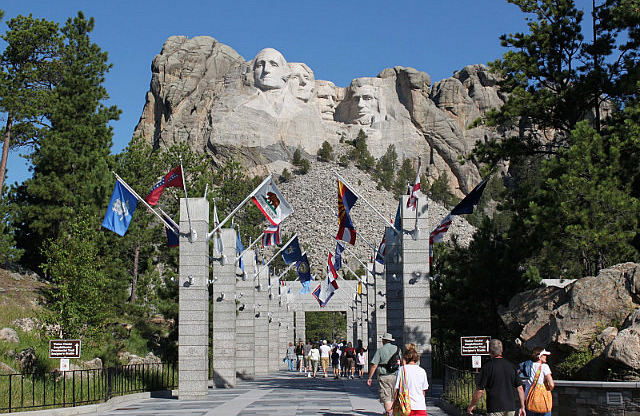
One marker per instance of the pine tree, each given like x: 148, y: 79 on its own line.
x: 72, y: 159
x: 28, y: 68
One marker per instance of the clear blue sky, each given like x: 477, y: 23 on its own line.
x: 339, y: 40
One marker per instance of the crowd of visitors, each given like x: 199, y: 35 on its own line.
x: 344, y: 359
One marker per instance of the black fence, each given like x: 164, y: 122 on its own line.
x: 80, y: 387
x: 458, y: 387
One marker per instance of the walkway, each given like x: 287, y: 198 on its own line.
x: 282, y: 394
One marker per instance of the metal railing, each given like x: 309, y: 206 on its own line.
x: 31, y: 391
x: 458, y: 387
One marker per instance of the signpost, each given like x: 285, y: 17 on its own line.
x: 64, y: 348
x: 475, y: 347
x: 478, y: 345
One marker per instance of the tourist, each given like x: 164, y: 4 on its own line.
x: 384, y: 361
x: 349, y: 360
x: 300, y: 356
x: 325, y: 352
x: 335, y: 362
x: 361, y: 358
x: 291, y: 356
x: 314, y: 357
x: 307, y: 348
x: 499, y: 378
x: 528, y: 370
x: 415, y: 379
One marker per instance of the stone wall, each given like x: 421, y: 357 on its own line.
x: 595, y: 398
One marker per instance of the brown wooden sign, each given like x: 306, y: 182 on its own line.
x: 64, y: 348
x: 477, y: 345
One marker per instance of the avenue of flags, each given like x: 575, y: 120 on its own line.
x: 270, y: 201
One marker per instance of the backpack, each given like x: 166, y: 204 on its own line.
x: 392, y: 365
x: 349, y: 353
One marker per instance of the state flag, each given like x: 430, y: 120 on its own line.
x: 271, y: 236
x: 346, y: 201
x: 173, y: 236
x: 414, y: 194
x: 303, y: 269
x: 337, y: 260
x: 292, y: 252
x: 171, y: 179
x: 270, y: 201
x: 381, y: 251
x: 120, y: 210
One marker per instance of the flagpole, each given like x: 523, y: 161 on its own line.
x: 146, y: 204
x: 236, y: 209
x: 365, y: 200
x: 192, y: 233
x: 416, y: 231
x: 351, y: 252
x: 175, y: 226
x: 288, y: 268
x: 249, y: 247
x: 359, y: 235
x: 279, y: 251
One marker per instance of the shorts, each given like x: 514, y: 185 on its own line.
x: 386, y: 387
x: 350, y: 362
x: 418, y: 413
x: 314, y: 365
x: 325, y: 363
x: 503, y: 413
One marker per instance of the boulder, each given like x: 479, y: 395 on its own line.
x: 24, y: 324
x: 6, y: 369
x: 625, y: 347
x: 95, y: 364
x: 9, y: 335
x: 27, y: 358
x: 573, y: 316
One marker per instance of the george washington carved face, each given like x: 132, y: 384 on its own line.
x: 270, y: 70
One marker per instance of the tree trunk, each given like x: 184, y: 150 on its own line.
x: 134, y: 282
x: 5, y: 151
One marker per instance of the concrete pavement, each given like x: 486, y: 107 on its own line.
x: 283, y: 394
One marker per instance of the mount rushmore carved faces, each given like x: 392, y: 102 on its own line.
x: 270, y: 70
x: 326, y: 99
x: 302, y: 81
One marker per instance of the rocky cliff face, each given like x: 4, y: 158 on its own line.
x: 203, y: 93
x: 600, y: 312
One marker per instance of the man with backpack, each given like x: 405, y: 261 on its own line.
x: 350, y: 360
x: 386, y: 361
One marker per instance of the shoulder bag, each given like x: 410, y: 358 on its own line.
x: 539, y: 399
x: 402, y: 403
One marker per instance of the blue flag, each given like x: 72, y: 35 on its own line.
x: 303, y: 269
x: 306, y: 287
x: 120, y: 210
x: 292, y: 253
x: 239, y: 249
x: 337, y: 259
x: 466, y: 205
x: 397, y: 223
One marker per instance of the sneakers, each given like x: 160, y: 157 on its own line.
x: 308, y: 375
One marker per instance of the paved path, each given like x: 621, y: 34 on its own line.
x: 282, y: 394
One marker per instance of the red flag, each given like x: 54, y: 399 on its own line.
x: 171, y: 179
x: 412, y: 202
x: 332, y: 275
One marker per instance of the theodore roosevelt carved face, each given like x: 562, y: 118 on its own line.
x: 326, y: 99
x: 270, y: 70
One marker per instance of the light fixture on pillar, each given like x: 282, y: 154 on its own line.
x: 241, y: 308
x: 212, y: 281
x: 415, y: 234
x: 223, y: 260
x: 383, y: 305
x: 190, y: 280
x: 193, y: 236
x: 381, y: 294
x: 221, y: 297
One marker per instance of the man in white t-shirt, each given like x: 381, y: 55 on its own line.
x: 325, y: 353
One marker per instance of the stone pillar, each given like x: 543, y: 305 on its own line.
x: 300, y: 321
x: 224, y: 312
x: 261, y: 322
x: 393, y: 277
x: 275, y: 354
x: 245, y: 323
x: 193, y: 305
x: 370, y: 341
x: 415, y: 282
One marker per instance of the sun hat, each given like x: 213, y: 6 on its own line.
x: 544, y: 352
x: 388, y: 337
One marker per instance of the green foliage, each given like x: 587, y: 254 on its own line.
x: 440, y: 191
x: 285, y: 176
x: 406, y: 175
x: 297, y: 157
x: 325, y: 325
x: 29, y: 65
x: 572, y: 364
x: 72, y: 158
x: 386, y: 168
x: 8, y: 250
x: 82, y: 296
x: 344, y: 161
x: 325, y: 153
x: 360, y: 153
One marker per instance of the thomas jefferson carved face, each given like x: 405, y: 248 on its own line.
x: 270, y: 70
x: 302, y: 82
x: 326, y: 99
